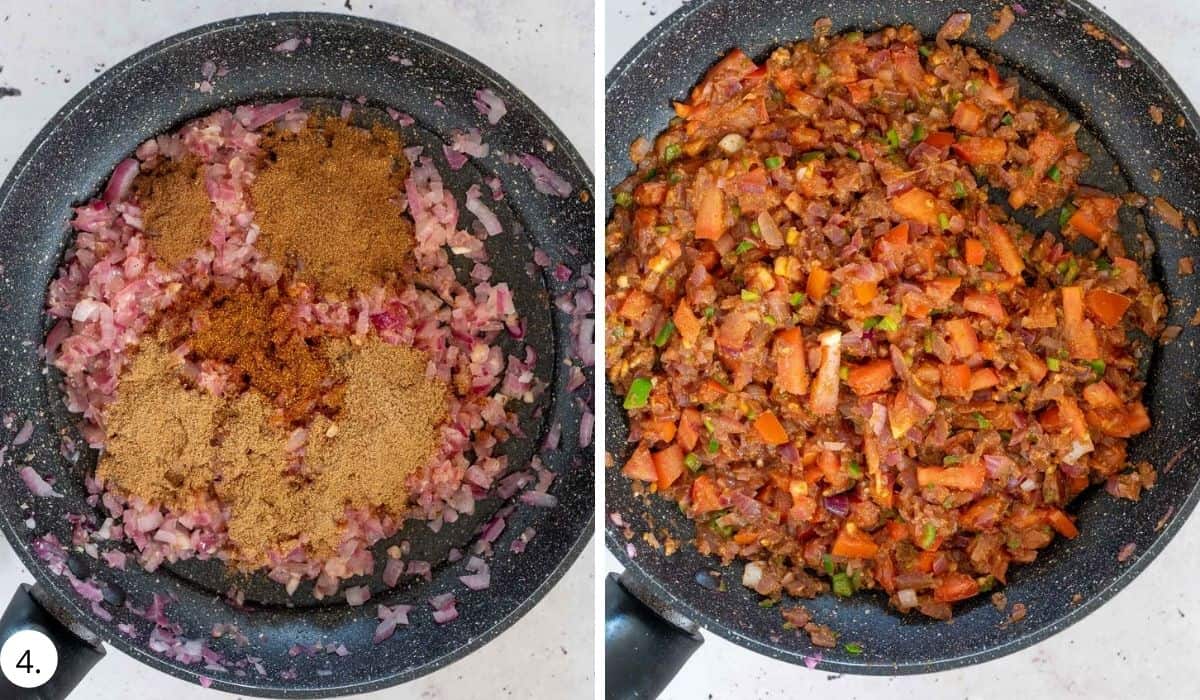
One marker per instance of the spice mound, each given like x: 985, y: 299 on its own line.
x: 326, y: 201
x: 242, y: 330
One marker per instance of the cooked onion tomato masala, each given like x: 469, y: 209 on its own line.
x: 848, y: 366
x: 262, y: 327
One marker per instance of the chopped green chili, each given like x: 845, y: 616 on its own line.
x: 1098, y: 366
x: 797, y: 298
x: 960, y: 190
x: 675, y: 177
x: 1007, y: 119
x: 1053, y: 364
x: 672, y: 152
x: 774, y: 162
x: 842, y: 586
x: 854, y: 648
x: 664, y: 333
x: 713, y: 446
x: 639, y: 393
x: 1054, y: 173
x: 853, y: 153
x: 928, y: 536
x: 748, y: 295
x: 893, y: 138
x: 925, y: 51
x: 918, y: 134
x: 943, y: 220
x: 743, y: 247
x: 1065, y: 215
x: 710, y: 311
x: 809, y: 156
x: 827, y: 564
x: 854, y: 469
x: 623, y: 199
x: 951, y: 459
x: 871, y: 322
x: 692, y: 462
x: 982, y: 422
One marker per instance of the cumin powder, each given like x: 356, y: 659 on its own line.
x: 326, y: 201
x: 176, y: 211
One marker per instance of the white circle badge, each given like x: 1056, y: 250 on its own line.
x: 28, y: 659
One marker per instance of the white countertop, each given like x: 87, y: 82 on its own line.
x: 1138, y: 645
x: 50, y: 49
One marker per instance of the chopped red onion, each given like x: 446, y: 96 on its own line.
x: 811, y: 660
x: 489, y: 104
x: 539, y: 499
x: 287, y: 46
x: 121, y: 180
x: 357, y: 595
x: 544, y: 179
x: 37, y: 485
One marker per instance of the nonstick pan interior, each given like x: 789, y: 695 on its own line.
x: 153, y: 92
x: 1107, y: 89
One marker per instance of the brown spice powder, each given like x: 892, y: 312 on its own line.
x: 385, y: 431
x: 158, y: 433
x: 325, y: 201
x: 177, y: 213
x: 168, y: 443
x: 252, y: 331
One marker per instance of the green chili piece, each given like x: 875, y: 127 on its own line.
x: 639, y: 393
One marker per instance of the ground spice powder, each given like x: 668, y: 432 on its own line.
x: 158, y: 433
x: 170, y: 443
x: 385, y: 431
x: 325, y: 200
x: 252, y: 331
x: 177, y: 213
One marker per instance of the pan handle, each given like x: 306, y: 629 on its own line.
x: 78, y: 649
x: 645, y: 642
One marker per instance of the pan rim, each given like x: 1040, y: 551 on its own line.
x: 616, y: 543
x: 51, y: 584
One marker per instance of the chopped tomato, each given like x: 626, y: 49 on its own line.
x: 688, y: 434
x: 985, y: 305
x: 967, y: 117
x: 706, y: 495
x: 955, y: 586
x: 981, y: 150
x: 870, y: 378
x: 1031, y: 365
x: 668, y: 465
x: 1062, y: 523
x: 940, y: 139
x: 640, y: 466
x: 918, y: 205
x: 1108, y: 307
x: 1080, y: 334
x: 635, y: 306
x: 687, y: 323
x: 770, y: 429
x: 1101, y: 395
x: 854, y: 543
x: 962, y: 339
x: 968, y: 476
x: 974, y: 252
x: 710, y: 215
x: 1006, y: 250
x: 865, y: 292
x: 942, y: 289
x: 984, y: 378
x: 819, y: 283
x: 956, y: 380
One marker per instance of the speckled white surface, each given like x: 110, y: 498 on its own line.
x: 1138, y: 645
x: 51, y: 49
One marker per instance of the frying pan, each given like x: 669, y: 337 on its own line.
x: 68, y: 162
x: 660, y: 602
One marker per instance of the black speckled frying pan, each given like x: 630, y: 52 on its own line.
x: 153, y: 92
x: 1054, y: 58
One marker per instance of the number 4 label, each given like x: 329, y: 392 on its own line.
x: 28, y: 659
